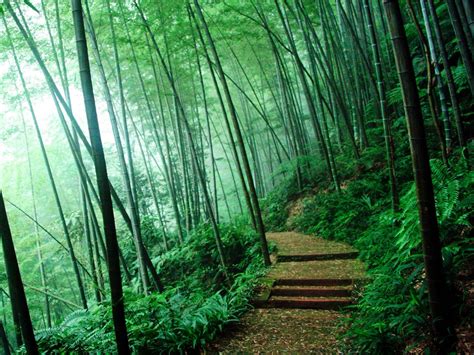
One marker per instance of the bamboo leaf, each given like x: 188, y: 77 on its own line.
x: 29, y: 4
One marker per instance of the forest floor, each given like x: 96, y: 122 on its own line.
x: 293, y: 330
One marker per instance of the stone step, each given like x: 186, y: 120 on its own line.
x: 314, y: 282
x: 310, y: 292
x: 316, y: 257
x: 306, y: 303
x: 333, y: 287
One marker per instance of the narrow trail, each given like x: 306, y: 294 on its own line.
x: 298, y: 307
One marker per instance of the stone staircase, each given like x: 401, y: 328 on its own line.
x: 297, y: 301
x: 330, y: 294
x: 316, y: 257
x: 310, y: 293
x: 296, y: 291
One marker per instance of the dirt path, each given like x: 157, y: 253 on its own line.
x: 302, y: 282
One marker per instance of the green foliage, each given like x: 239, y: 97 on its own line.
x: 197, y: 262
x: 153, y: 234
x: 275, y: 209
x: 162, y: 323
x: 275, y: 205
x: 27, y: 2
x: 393, y: 308
x: 198, y: 301
x: 174, y: 321
x: 191, y: 311
x: 343, y: 216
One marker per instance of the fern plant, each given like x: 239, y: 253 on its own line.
x: 393, y: 308
x: 186, y: 316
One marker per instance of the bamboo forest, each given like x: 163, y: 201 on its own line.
x: 236, y: 176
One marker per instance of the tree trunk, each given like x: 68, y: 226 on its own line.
x: 167, y: 164
x: 243, y: 153
x: 439, y: 77
x: 192, y: 145
x: 27, y: 36
x: 465, y: 25
x: 469, y: 8
x: 15, y: 284
x: 389, y: 145
x: 133, y: 212
x: 4, y: 339
x: 463, y: 44
x: 113, y: 260
x: 37, y: 235
x: 51, y: 178
x: 430, y: 81
x: 421, y: 168
x: 450, y: 80
x: 240, y: 173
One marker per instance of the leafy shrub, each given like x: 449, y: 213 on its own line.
x: 393, y: 308
x: 159, y: 323
x: 179, y: 265
x: 345, y: 215
x: 274, y: 205
x: 191, y: 311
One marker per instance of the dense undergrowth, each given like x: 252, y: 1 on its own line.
x: 392, y: 314
x: 196, y: 304
x: 392, y: 309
